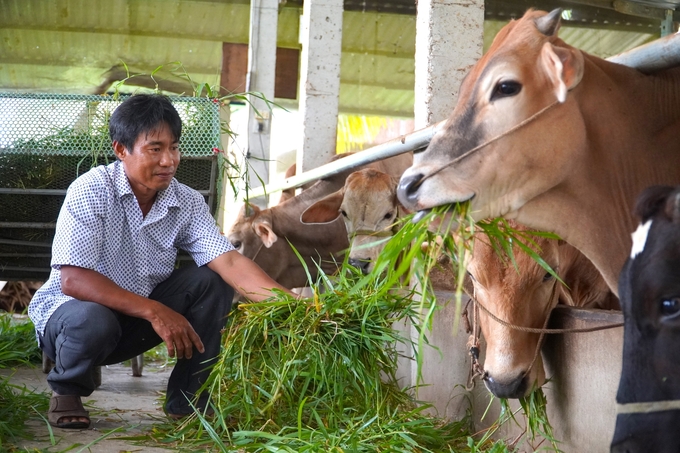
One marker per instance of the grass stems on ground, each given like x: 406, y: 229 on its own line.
x: 18, y: 345
x: 17, y: 405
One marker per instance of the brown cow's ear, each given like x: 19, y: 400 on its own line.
x: 325, y: 210
x: 564, y: 67
x: 263, y: 228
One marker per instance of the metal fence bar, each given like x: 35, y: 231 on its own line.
x: 28, y: 243
x: 49, y: 225
x: 410, y: 142
x: 33, y: 191
x: 659, y: 54
x: 25, y: 255
x: 209, y: 192
x: 26, y: 269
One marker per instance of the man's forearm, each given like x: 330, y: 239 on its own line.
x: 245, y: 276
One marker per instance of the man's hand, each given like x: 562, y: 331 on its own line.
x: 174, y: 329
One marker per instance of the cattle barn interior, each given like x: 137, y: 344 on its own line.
x: 85, y: 47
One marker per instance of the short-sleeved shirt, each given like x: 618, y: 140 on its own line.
x: 101, y: 227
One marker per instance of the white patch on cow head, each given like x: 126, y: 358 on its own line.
x: 640, y: 238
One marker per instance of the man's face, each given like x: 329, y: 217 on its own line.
x: 152, y: 163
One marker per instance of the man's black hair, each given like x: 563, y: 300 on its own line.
x: 140, y: 114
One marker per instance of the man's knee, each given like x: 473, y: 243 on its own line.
x: 91, y: 322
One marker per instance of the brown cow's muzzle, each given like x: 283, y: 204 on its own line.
x: 407, y: 190
x: 513, y: 388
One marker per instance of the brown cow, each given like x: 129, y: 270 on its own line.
x: 256, y: 232
x: 524, y: 296
x: 369, y: 208
x: 555, y: 138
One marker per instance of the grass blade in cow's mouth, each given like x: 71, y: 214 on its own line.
x: 457, y: 209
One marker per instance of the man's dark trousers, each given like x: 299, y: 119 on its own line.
x: 82, y: 335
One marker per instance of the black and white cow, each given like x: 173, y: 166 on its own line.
x: 648, y: 397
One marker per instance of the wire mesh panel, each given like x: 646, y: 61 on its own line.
x: 48, y: 140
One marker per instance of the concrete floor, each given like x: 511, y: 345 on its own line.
x: 130, y: 404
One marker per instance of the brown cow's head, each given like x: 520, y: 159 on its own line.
x: 368, y: 205
x: 500, y: 147
x: 522, y: 296
x: 251, y: 230
x: 253, y: 236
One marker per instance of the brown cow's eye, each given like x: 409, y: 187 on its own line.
x: 236, y: 244
x: 506, y: 89
x: 670, y: 306
x: 388, y: 216
x: 547, y: 276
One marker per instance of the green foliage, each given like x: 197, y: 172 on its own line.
x: 317, y: 375
x: 17, y: 405
x: 534, y: 408
x: 18, y: 345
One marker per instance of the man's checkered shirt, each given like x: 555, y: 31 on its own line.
x: 100, y: 227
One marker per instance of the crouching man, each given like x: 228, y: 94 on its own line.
x: 113, y: 291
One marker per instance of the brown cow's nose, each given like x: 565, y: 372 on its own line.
x: 408, y: 188
x: 515, y: 388
x: 360, y: 263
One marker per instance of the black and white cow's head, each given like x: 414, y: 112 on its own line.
x: 648, y: 397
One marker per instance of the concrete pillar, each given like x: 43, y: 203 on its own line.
x: 321, y: 39
x: 260, y: 79
x: 449, y: 40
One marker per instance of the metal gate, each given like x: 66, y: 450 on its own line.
x: 48, y: 140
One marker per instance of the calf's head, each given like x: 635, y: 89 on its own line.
x: 252, y: 234
x: 513, y: 96
x: 649, y: 287
x: 522, y: 296
x: 369, y: 207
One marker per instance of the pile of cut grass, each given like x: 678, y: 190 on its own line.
x: 319, y: 374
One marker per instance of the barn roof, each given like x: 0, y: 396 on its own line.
x: 71, y: 46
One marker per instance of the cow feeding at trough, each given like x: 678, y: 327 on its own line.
x: 369, y: 208
x: 517, y: 299
x: 521, y: 293
x: 649, y: 389
x: 554, y: 138
x: 271, y: 237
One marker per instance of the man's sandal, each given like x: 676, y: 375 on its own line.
x: 67, y: 406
